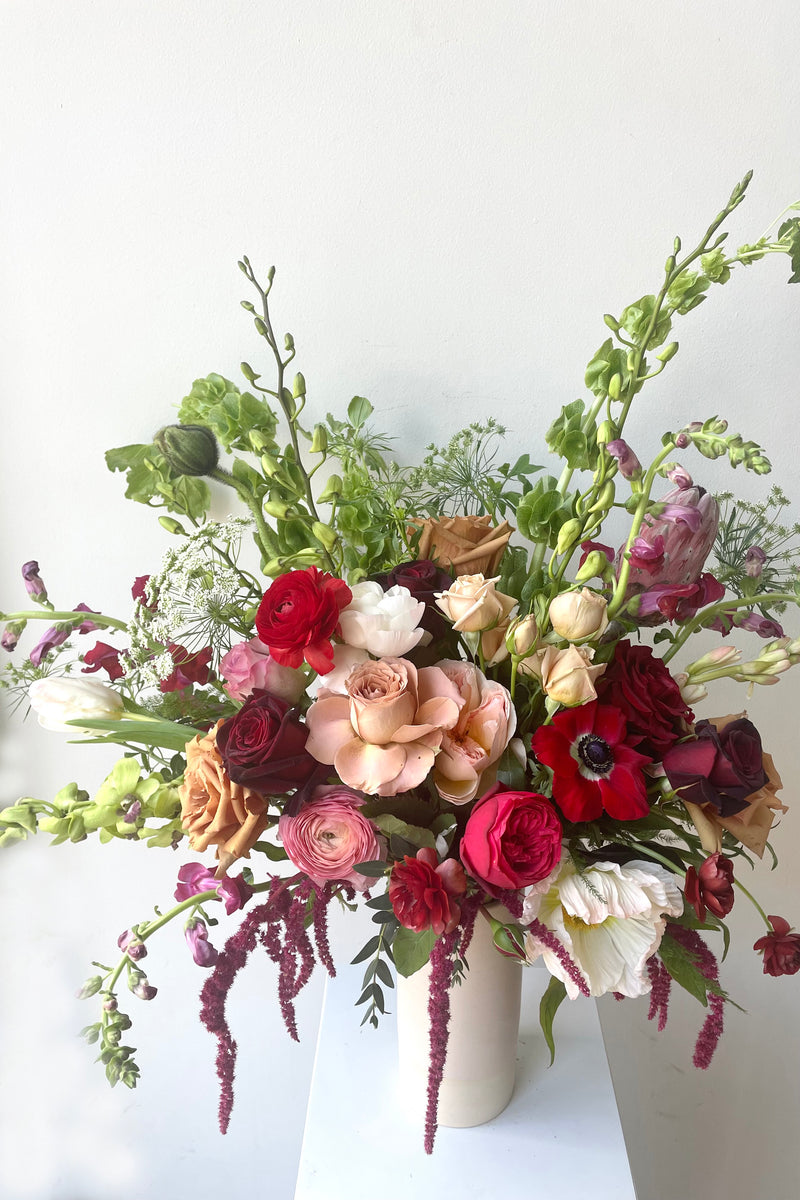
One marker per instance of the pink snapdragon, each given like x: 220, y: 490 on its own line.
x: 196, y: 877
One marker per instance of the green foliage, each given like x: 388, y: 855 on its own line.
x: 553, y: 996
x: 542, y: 511
x: 231, y: 415
x: 744, y: 524
x: 789, y: 234
x: 412, y: 951
x: 151, y: 480
x: 637, y: 318
x: 608, y: 364
x: 712, y: 440
x: 574, y: 436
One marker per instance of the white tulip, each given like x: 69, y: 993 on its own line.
x: 58, y: 699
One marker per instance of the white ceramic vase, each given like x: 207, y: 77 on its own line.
x: 484, y: 1031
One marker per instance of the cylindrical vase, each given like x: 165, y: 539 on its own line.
x: 481, y: 1059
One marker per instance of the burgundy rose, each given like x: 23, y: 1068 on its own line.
x: 425, y: 893
x: 103, y: 657
x: 189, y: 668
x: 423, y: 579
x: 720, y: 767
x: 299, y: 615
x: 711, y: 887
x: 781, y: 949
x: 640, y: 686
x: 512, y: 839
x: 264, y: 746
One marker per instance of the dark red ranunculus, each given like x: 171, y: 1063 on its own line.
x: 711, y: 887
x: 424, y: 579
x: 299, y: 615
x: 641, y: 687
x: 594, y: 768
x: 103, y: 657
x: 719, y: 767
x: 264, y: 746
x: 781, y: 949
x: 190, y: 667
x: 425, y: 893
x: 512, y: 839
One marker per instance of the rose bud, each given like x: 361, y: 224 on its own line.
x: 576, y: 616
x: 711, y: 887
x: 189, y: 449
x: 781, y: 949
x: 567, y: 676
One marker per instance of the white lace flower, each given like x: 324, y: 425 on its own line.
x: 384, y: 623
x: 609, y: 918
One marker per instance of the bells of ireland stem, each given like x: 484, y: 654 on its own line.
x: 672, y: 547
x: 189, y: 449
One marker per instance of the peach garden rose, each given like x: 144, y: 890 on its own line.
x: 486, y: 724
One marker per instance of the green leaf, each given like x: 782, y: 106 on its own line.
x: 359, y: 410
x: 392, y: 826
x: 412, y: 950
x: 374, y: 869
x: 548, y: 1007
x: 367, y: 951
x: 682, y: 966
x: 383, y: 973
x: 273, y: 853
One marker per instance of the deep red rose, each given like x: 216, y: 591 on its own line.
x: 594, y: 768
x: 424, y: 579
x: 103, y: 657
x: 721, y: 768
x: 781, y: 949
x: 640, y: 686
x: 189, y: 668
x: 298, y: 616
x: 424, y: 892
x: 711, y: 887
x: 264, y: 746
x: 512, y: 839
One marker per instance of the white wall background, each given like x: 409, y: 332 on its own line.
x: 453, y: 195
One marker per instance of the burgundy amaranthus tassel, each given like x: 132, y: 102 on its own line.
x: 439, y: 1013
x: 469, y: 913
x: 661, y: 982
x: 549, y: 939
x: 322, y: 898
x: 708, y: 1038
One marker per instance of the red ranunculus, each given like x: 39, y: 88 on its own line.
x: 424, y: 579
x: 425, y: 893
x: 189, y: 668
x: 594, y: 768
x: 781, y: 949
x: 103, y: 657
x: 264, y: 746
x: 512, y: 839
x: 299, y: 615
x: 711, y: 887
x: 641, y: 687
x: 720, y: 767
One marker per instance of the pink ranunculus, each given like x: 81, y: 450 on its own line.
x: 512, y: 839
x: 329, y: 836
x: 248, y: 665
x: 383, y: 735
x: 485, y: 725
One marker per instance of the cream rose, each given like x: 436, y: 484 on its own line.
x: 473, y: 604
x: 576, y: 616
x: 567, y: 676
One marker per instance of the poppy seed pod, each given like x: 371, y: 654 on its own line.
x: 189, y: 449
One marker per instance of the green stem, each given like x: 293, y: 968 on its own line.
x: 754, y: 902
x: 708, y: 614
x: 53, y: 615
x: 618, y: 598
x: 269, y: 544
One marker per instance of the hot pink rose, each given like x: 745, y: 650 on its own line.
x: 512, y: 839
x: 248, y: 665
x: 382, y: 736
x: 329, y: 836
x: 485, y: 726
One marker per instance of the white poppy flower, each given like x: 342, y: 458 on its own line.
x: 384, y: 623
x: 609, y: 918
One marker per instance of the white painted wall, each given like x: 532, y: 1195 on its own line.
x: 453, y: 195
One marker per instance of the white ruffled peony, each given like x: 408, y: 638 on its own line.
x: 384, y: 623
x: 610, y: 919
x: 58, y: 699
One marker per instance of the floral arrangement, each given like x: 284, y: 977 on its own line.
x: 444, y: 716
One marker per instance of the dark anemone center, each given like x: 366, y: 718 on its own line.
x: 595, y: 754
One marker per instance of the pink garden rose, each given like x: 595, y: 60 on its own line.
x: 329, y: 836
x: 248, y: 665
x: 512, y: 839
x: 383, y: 735
x: 485, y: 725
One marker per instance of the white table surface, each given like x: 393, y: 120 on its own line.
x: 560, y: 1135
